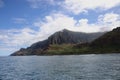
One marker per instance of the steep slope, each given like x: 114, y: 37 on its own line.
x: 66, y: 37
x: 61, y: 37
x: 109, y: 42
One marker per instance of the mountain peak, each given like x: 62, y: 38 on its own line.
x: 117, y: 29
x: 65, y: 30
x: 61, y: 37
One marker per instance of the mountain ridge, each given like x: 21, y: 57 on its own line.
x: 110, y: 41
x: 61, y: 37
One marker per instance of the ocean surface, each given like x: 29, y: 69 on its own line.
x: 71, y: 67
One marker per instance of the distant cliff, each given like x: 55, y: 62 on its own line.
x: 109, y: 42
x: 59, y: 38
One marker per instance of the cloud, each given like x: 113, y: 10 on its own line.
x: 19, y: 20
x: 80, y: 6
x: 16, y: 38
x: 1, y: 3
x: 108, y: 18
x: 56, y: 22
x: 109, y: 21
x: 40, y: 3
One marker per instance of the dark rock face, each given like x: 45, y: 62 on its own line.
x: 110, y: 39
x: 66, y: 37
x: 61, y: 37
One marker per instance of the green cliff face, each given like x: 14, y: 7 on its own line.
x: 109, y: 42
x: 59, y: 38
x: 67, y: 42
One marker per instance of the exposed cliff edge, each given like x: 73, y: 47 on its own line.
x: 109, y: 42
x: 61, y: 38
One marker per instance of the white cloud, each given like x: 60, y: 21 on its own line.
x: 15, y: 39
x: 79, y: 6
x: 56, y: 22
x: 38, y: 3
x: 109, y: 21
x: 1, y: 3
x: 108, y: 18
x: 83, y: 22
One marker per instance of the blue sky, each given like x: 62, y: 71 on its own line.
x: 23, y: 22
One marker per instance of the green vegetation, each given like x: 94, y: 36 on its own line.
x: 60, y: 49
x: 62, y: 43
x: 66, y: 49
x: 70, y: 49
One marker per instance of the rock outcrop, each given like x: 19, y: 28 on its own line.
x: 61, y: 37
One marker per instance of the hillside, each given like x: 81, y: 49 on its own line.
x: 61, y: 38
x: 109, y: 42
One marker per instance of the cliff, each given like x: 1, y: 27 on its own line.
x: 58, y: 38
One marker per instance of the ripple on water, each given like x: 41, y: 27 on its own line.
x: 75, y: 67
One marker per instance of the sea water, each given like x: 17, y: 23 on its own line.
x: 70, y: 67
